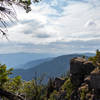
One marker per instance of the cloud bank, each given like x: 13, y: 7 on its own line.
x: 61, y: 26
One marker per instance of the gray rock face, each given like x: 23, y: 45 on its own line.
x: 58, y: 82
x: 95, y: 80
x: 79, y: 69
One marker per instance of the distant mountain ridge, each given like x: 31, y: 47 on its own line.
x: 16, y: 59
x: 55, y: 67
x: 33, y: 63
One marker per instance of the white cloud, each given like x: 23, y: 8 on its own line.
x: 44, y: 25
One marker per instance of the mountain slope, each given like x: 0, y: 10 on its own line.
x: 33, y: 63
x: 54, y: 67
x: 16, y: 59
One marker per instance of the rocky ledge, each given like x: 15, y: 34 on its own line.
x: 86, y: 78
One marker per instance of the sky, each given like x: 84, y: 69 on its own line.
x: 56, y: 27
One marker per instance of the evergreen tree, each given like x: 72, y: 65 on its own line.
x: 7, y: 11
x: 96, y: 59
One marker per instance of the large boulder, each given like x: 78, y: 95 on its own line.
x: 79, y: 69
x: 95, y: 80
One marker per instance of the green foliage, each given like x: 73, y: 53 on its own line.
x: 33, y: 89
x: 28, y: 89
x: 96, y: 59
x: 69, y: 87
x: 83, y: 94
x: 14, y: 84
x: 53, y: 96
x: 4, y: 75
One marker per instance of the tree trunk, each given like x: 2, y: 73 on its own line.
x: 10, y: 95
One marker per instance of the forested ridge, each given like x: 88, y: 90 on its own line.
x: 67, y: 87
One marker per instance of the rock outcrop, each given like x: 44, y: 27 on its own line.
x: 91, y: 86
x: 58, y: 82
x: 86, y: 78
x: 79, y: 69
x: 95, y: 79
x: 56, y: 85
x: 84, y: 82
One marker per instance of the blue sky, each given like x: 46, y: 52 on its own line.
x: 55, y: 26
